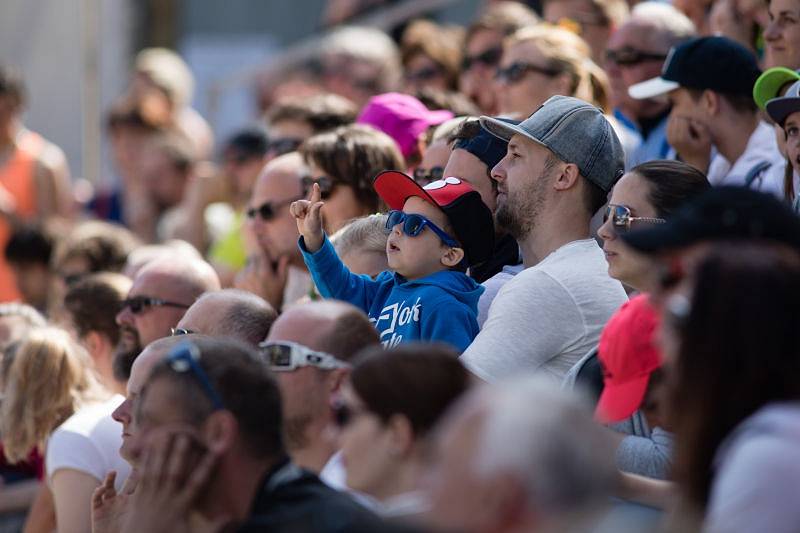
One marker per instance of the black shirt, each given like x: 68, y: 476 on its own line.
x: 506, y: 252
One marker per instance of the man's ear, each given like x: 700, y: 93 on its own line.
x: 452, y: 257
x: 220, y: 431
x: 402, y: 434
x: 710, y: 102
x: 567, y: 178
x: 336, y: 378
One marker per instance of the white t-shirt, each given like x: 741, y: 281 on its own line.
x: 761, y: 146
x: 89, y: 442
x: 548, y: 316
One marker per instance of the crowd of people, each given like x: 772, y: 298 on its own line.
x: 541, y: 273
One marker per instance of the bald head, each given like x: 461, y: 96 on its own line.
x: 230, y: 313
x: 180, y: 277
x: 334, y: 327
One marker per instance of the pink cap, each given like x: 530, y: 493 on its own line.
x: 402, y: 117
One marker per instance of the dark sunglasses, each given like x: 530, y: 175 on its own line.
x: 516, y: 71
x: 424, y: 176
x: 630, y: 56
x: 343, y: 414
x: 326, y: 186
x: 138, y: 304
x: 284, y: 146
x: 489, y: 57
x: 268, y: 210
x: 185, y: 358
x: 621, y: 218
x: 423, y: 74
x: 414, y: 224
x: 175, y: 332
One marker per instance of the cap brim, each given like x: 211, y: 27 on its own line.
x: 670, y: 235
x: 505, y: 130
x: 780, y: 108
x: 652, y: 88
x: 769, y: 84
x: 618, y: 402
x: 396, y: 187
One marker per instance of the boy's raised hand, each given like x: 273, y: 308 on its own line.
x: 309, y: 220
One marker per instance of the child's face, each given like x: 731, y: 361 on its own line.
x: 420, y: 256
x: 792, y: 129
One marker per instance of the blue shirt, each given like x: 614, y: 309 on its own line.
x: 440, y: 307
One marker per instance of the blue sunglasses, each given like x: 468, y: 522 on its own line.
x: 414, y: 224
x: 184, y: 359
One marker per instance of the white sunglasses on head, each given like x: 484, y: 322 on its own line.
x: 285, y: 356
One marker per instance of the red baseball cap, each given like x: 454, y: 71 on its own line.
x: 472, y: 221
x: 628, y: 355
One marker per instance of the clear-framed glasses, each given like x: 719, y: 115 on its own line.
x: 622, y: 219
x: 285, y: 356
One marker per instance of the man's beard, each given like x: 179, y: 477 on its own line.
x: 517, y: 214
x: 125, y: 354
x: 294, y: 429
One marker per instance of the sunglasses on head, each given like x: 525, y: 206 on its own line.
x: 176, y: 332
x: 630, y: 56
x: 489, y: 58
x: 284, y: 146
x: 423, y: 74
x: 516, y: 71
x: 424, y: 176
x: 268, y: 210
x: 138, y: 304
x: 621, y: 218
x: 413, y: 224
x: 285, y: 356
x: 326, y: 186
x: 185, y: 358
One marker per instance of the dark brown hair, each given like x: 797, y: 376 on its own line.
x: 738, y: 352
x: 353, y: 155
x: 322, y: 112
x: 440, y: 44
x: 11, y: 85
x: 104, y: 246
x: 670, y: 184
x: 350, y: 333
x: 504, y: 18
x: 419, y: 381
x: 94, y: 301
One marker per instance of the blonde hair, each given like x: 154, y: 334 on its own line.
x: 365, y: 234
x: 566, y: 52
x: 48, y: 378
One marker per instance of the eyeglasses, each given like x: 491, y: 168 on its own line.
x: 413, y: 225
x: 424, y: 176
x: 185, y: 358
x: 489, y: 58
x: 423, y: 74
x: 326, y: 186
x: 284, y: 146
x: 516, y: 71
x: 269, y: 210
x: 138, y: 304
x: 621, y: 218
x: 285, y: 356
x: 630, y: 56
x: 176, y: 332
x: 343, y: 414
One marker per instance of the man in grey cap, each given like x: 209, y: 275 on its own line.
x: 561, y: 163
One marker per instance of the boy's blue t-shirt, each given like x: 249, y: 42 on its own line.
x: 441, y: 307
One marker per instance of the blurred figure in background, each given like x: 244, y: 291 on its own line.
x: 361, y: 245
x: 28, y: 253
x: 593, y: 20
x: 431, y: 56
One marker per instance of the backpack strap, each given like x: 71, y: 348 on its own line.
x: 756, y: 172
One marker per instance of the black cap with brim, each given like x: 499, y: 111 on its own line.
x: 722, y: 213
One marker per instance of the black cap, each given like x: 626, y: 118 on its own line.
x: 247, y: 144
x: 487, y: 147
x: 715, y: 63
x: 722, y: 213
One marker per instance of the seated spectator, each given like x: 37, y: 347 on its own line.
x: 519, y: 456
x: 549, y: 185
x: 712, y: 110
x: 406, y: 120
x: 307, y: 389
x: 431, y: 56
x: 343, y: 162
x: 361, y: 245
x: 437, y: 152
x: 636, y: 52
x: 781, y: 41
x: 28, y: 253
x: 646, y: 195
x: 483, y: 48
x: 293, y: 120
x: 785, y: 111
x: 387, y: 408
x: 72, y: 417
x: 455, y: 102
x: 92, y: 246
x: 91, y: 305
x: 593, y: 20
x: 737, y: 455
x: 441, y: 230
x: 254, y: 486
x: 228, y: 313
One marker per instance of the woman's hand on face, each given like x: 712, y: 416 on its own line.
x: 309, y: 219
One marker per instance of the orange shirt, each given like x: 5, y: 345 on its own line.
x: 18, y: 177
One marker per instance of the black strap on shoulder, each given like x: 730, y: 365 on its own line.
x: 756, y: 172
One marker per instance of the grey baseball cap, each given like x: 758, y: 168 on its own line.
x: 576, y: 132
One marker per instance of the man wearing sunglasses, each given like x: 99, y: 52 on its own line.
x: 161, y: 293
x: 635, y: 53
x: 275, y: 269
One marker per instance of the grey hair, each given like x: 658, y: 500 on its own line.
x: 27, y: 313
x: 365, y: 234
x: 669, y: 25
x: 248, y: 318
x: 547, y: 439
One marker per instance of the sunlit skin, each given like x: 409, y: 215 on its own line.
x: 791, y: 127
x: 782, y: 35
x: 521, y: 98
x: 474, y: 81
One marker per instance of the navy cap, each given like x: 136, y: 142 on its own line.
x: 486, y: 146
x: 715, y: 63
